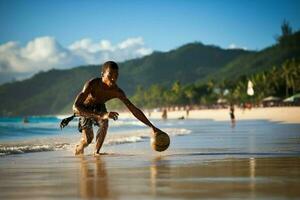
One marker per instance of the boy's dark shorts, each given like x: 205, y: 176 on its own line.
x: 87, y: 123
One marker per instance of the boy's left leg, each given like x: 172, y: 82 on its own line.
x: 101, y: 133
x: 87, y: 136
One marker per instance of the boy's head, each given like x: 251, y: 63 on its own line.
x: 110, y: 72
x: 109, y: 64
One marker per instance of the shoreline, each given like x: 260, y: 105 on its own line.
x: 280, y: 114
x: 277, y: 114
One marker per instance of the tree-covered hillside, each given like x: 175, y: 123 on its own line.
x: 54, y: 91
x: 186, y: 64
x: 45, y: 93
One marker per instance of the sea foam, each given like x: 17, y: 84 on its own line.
x: 47, y: 144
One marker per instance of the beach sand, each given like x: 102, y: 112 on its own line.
x: 280, y: 114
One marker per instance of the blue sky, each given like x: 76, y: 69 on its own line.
x: 43, y: 34
x: 163, y: 25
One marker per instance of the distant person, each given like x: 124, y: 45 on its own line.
x: 181, y: 118
x: 187, y: 111
x: 25, y: 120
x: 90, y: 107
x: 164, y: 114
x: 232, y: 116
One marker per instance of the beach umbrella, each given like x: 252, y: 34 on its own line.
x: 271, y: 98
x: 292, y: 98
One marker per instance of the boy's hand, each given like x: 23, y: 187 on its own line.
x: 155, y: 130
x: 108, y: 115
x: 111, y: 115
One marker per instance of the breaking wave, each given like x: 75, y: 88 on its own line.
x: 111, y: 139
x: 30, y: 148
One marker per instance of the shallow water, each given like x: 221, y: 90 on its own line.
x: 257, y: 137
x: 44, y: 134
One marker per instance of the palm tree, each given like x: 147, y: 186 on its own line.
x: 272, y: 76
x: 297, y: 76
x: 294, y: 74
x: 239, y: 93
x: 290, y: 73
x: 286, y: 75
x: 286, y: 30
x: 191, y: 93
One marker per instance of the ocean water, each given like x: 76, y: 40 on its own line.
x: 205, y: 137
x: 43, y: 134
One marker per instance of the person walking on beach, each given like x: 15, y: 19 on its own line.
x: 187, y: 111
x: 232, y: 116
x: 164, y: 114
x: 90, y: 106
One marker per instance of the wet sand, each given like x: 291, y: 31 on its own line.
x: 58, y: 175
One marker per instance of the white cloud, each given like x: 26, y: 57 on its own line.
x: 131, y: 42
x: 98, y: 52
x: 44, y: 53
x: 39, y: 54
x: 87, y: 45
x: 234, y: 46
x: 44, y: 48
x: 144, y: 51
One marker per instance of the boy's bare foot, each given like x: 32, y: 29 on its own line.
x: 97, y: 154
x: 78, y: 151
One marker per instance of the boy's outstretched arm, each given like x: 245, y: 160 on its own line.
x: 136, y: 111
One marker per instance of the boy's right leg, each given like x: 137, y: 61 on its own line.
x: 101, y: 133
x: 87, y: 136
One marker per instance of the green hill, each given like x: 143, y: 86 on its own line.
x: 186, y: 64
x: 53, y: 92
x: 44, y: 93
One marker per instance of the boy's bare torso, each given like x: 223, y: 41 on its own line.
x: 101, y: 93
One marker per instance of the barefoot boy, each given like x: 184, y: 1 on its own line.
x: 90, y: 106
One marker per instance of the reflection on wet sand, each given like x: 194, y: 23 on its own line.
x: 159, y: 170
x: 164, y: 177
x: 252, y: 163
x: 93, y: 178
x: 248, y: 178
x: 229, y: 178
